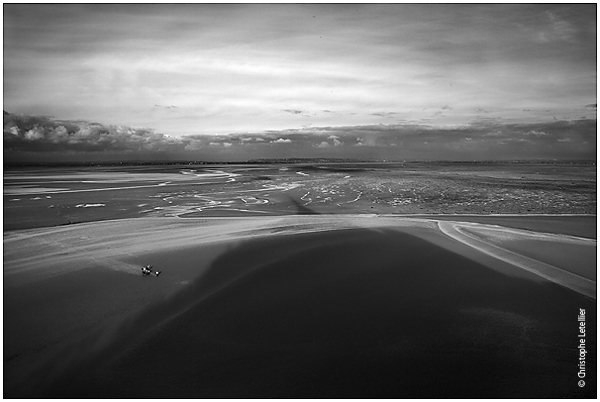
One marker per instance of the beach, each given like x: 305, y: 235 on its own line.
x: 309, y: 306
x: 300, y: 201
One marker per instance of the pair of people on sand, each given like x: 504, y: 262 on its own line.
x: 147, y: 270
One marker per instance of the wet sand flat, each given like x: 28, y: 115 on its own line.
x: 298, y: 306
x: 574, y: 225
x: 61, y: 196
x: 571, y: 254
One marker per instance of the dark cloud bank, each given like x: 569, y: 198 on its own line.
x: 44, y: 139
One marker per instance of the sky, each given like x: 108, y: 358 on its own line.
x: 244, y: 81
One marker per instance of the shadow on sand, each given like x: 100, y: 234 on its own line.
x: 345, y: 314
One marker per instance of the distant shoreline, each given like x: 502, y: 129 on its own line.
x: 293, y: 161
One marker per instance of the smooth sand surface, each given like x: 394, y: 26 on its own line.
x: 574, y: 225
x: 574, y: 272
x: 295, y: 306
x: 570, y: 253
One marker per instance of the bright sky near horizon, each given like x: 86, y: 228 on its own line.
x: 206, y: 69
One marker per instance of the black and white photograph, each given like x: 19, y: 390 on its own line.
x: 300, y: 200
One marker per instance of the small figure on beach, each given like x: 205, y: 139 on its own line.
x: 147, y: 270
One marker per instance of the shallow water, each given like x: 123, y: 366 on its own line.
x: 49, y: 197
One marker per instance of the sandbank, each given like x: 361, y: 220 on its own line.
x: 288, y: 306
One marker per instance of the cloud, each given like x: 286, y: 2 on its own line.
x: 282, y: 141
x: 42, y: 134
x: 396, y: 57
x: 193, y: 145
x: 561, y: 29
x: 368, y: 140
x: 536, y: 133
x: 35, y: 133
x: 296, y: 111
x: 13, y: 130
x: 336, y: 140
x: 44, y: 138
x: 384, y: 114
